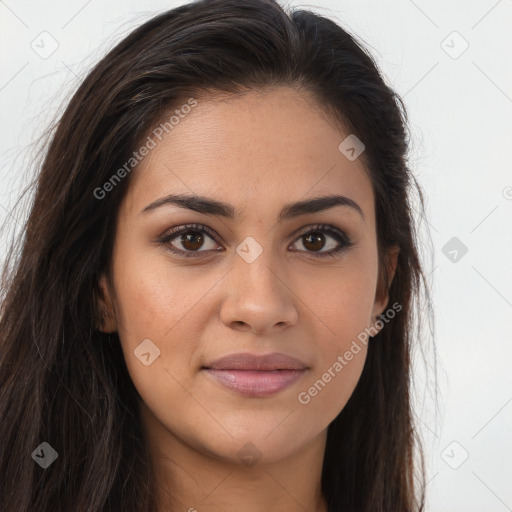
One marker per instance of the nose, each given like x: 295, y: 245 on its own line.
x: 259, y: 297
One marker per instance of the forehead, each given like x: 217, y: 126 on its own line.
x: 254, y: 150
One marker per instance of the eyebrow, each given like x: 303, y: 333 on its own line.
x: 210, y: 206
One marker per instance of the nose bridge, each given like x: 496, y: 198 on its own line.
x: 256, y: 294
x: 262, y: 251
x: 255, y: 265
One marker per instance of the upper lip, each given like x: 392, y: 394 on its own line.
x: 248, y: 361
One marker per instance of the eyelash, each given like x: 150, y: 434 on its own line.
x: 339, y: 236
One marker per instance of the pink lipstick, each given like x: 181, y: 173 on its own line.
x: 255, y: 375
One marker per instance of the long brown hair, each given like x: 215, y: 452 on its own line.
x: 64, y: 382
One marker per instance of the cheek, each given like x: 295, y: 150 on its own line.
x: 155, y: 314
x: 341, y: 298
x: 153, y: 296
x: 341, y: 305
x: 151, y: 307
x: 328, y: 390
x: 341, y: 354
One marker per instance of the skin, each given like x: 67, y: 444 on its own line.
x: 257, y: 152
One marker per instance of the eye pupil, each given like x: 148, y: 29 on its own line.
x: 313, y: 239
x: 193, y: 237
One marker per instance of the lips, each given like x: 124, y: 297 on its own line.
x: 247, y: 361
x: 253, y: 375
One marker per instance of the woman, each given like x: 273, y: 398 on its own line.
x: 212, y: 307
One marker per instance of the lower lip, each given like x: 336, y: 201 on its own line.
x: 253, y: 383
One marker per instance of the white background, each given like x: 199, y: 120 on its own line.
x: 461, y: 121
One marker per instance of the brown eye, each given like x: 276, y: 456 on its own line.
x: 189, y: 240
x: 317, y: 239
x: 314, y: 241
x: 192, y: 240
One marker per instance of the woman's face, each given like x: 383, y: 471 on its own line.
x: 255, y: 282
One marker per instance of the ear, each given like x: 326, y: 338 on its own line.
x: 386, y: 276
x: 105, y: 307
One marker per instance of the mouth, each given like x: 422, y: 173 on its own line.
x: 253, y: 375
x: 252, y: 383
